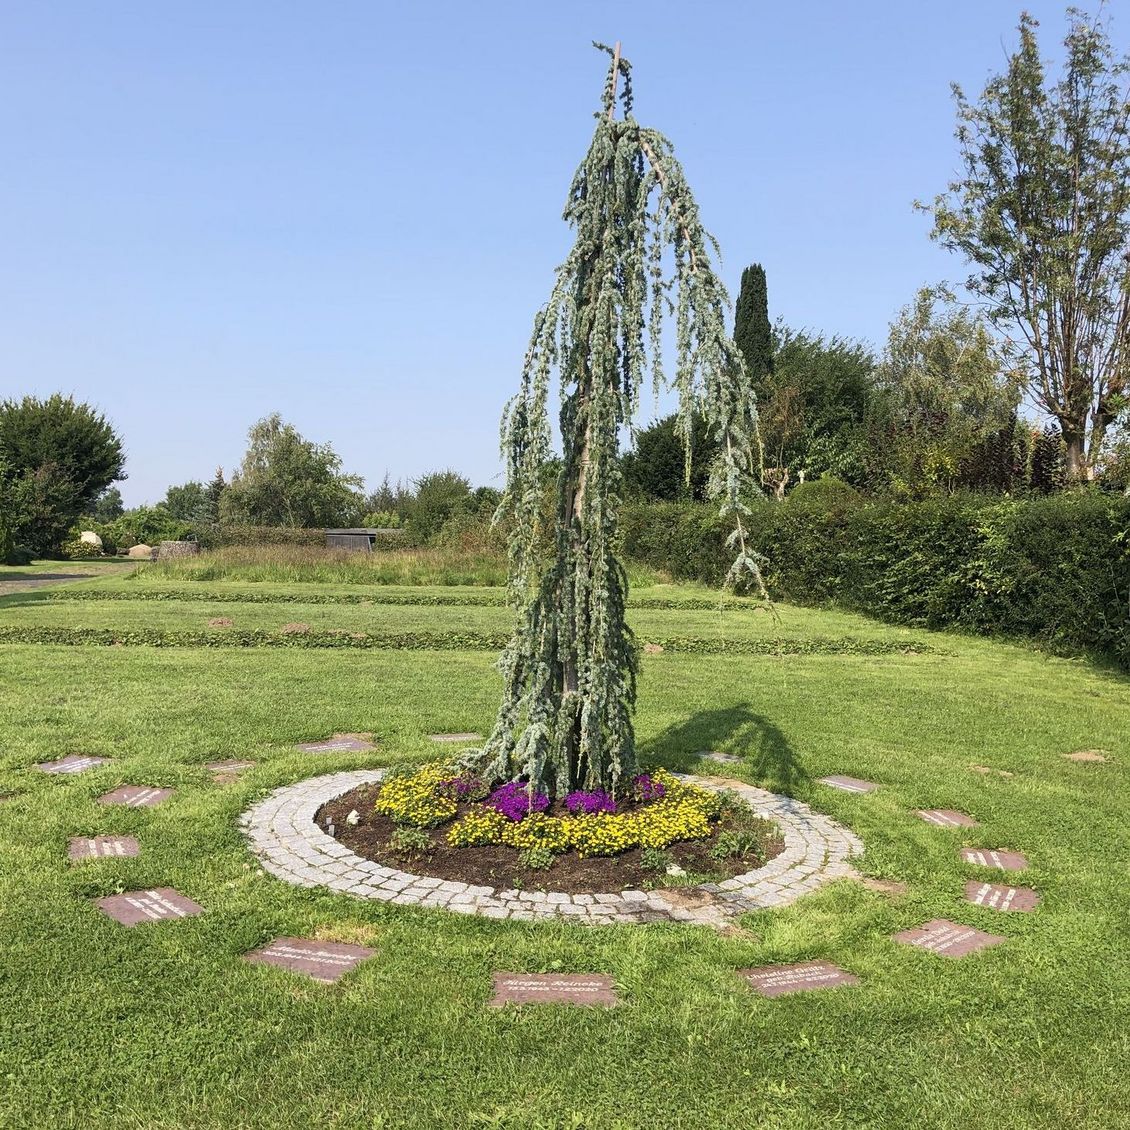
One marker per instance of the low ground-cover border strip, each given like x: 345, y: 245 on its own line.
x: 476, y: 599
x: 430, y: 641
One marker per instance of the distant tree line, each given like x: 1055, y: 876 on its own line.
x: 939, y: 410
x: 59, y: 460
x: 1024, y: 391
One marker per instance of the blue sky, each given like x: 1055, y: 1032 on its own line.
x: 349, y: 212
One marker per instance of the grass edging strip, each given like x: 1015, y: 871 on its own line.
x: 427, y: 641
x: 475, y: 599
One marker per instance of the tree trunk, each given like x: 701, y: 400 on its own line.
x: 1075, y: 457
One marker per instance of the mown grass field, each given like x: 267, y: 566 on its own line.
x: 746, y: 621
x: 165, y: 1026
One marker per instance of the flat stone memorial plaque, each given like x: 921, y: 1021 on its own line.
x: 553, y: 988
x: 456, y: 737
x: 777, y: 980
x: 947, y: 818
x: 73, y: 763
x: 136, y: 796
x: 324, y: 961
x: 224, y: 772
x: 339, y: 743
x: 102, y: 847
x: 1005, y: 860
x: 996, y: 896
x: 724, y: 758
x: 948, y: 938
x: 885, y: 886
x: 849, y: 784
x: 158, y: 905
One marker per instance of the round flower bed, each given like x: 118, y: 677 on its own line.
x: 445, y: 823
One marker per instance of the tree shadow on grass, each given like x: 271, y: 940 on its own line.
x: 765, y: 753
x: 13, y: 599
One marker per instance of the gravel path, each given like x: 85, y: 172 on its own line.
x: 17, y: 580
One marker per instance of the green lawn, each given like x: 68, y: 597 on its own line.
x: 740, y: 623
x: 164, y: 1025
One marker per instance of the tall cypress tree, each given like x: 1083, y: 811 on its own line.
x: 570, y: 668
x: 215, y: 490
x: 753, y: 334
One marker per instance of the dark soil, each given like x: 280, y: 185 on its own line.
x: 500, y: 866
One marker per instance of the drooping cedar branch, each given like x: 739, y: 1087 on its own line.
x: 570, y: 669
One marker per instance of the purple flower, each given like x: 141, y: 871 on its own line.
x: 461, y: 787
x: 647, y: 789
x: 514, y: 801
x: 589, y: 802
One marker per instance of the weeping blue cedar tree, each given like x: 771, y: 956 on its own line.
x: 641, y: 255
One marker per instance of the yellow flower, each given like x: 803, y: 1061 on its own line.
x: 416, y: 798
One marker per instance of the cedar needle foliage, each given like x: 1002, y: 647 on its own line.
x: 641, y: 256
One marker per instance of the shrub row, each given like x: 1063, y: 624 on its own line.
x: 426, y: 641
x: 213, y: 535
x: 484, y: 599
x: 245, y: 638
x: 1054, y: 569
x: 244, y: 596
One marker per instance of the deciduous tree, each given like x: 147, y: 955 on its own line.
x: 814, y: 404
x: 285, y: 480
x: 657, y: 468
x: 941, y: 391
x: 1041, y: 211
x: 60, y: 454
x: 440, y: 495
x: 108, y: 505
x: 189, y: 502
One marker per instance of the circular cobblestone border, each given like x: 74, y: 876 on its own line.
x: 282, y: 833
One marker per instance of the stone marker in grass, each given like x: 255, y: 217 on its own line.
x: 324, y: 961
x: 950, y: 939
x: 777, y: 980
x: 947, y: 818
x: 339, y: 743
x: 73, y: 763
x: 224, y: 772
x: 102, y: 847
x: 156, y: 905
x: 456, y: 737
x: 849, y: 784
x: 1005, y: 860
x: 724, y: 758
x: 997, y: 896
x: 136, y: 796
x: 554, y: 988
x: 885, y: 886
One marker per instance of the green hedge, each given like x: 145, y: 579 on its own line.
x: 212, y: 535
x: 424, y: 641
x: 1054, y: 569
